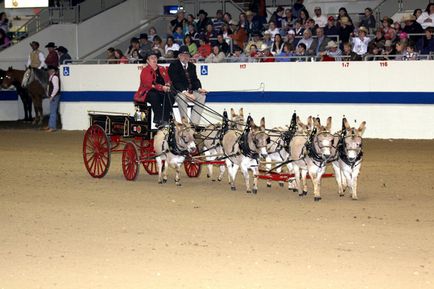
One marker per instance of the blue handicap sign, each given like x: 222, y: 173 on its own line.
x: 204, y: 70
x: 66, y: 71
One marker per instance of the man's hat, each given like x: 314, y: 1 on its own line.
x: 34, y: 43
x: 331, y: 44
x: 364, y: 29
x: 50, y: 45
x: 331, y: 18
x: 183, y: 50
x: 203, y: 12
x: 62, y: 49
x: 409, y: 17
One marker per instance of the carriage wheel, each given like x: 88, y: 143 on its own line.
x: 146, y: 155
x: 130, y: 162
x: 96, y: 151
x: 192, y: 168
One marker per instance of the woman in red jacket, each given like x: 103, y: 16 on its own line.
x: 155, y: 88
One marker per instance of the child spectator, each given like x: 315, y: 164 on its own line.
x: 348, y: 54
x: 361, y: 42
x: 277, y: 45
x: 410, y: 53
x: 287, y: 52
x: 135, y: 57
x: 192, y: 47
x: 425, y: 45
x: 178, y: 35
x: 121, y: 58
x: 134, y: 45
x: 111, y: 56
x: 368, y: 20
x: 152, y: 32
x: 216, y: 55
x: 204, y: 49
x: 426, y: 19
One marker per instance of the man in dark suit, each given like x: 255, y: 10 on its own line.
x: 188, y: 87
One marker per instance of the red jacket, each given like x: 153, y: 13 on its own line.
x: 52, y: 59
x: 148, y: 81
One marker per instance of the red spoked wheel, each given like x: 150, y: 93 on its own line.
x: 192, y: 167
x: 130, y: 162
x: 96, y: 151
x: 146, y: 156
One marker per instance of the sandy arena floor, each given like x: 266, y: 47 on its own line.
x: 59, y: 228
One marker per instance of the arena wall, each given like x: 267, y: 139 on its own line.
x: 396, y: 99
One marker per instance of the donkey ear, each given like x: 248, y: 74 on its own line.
x: 184, y: 120
x: 297, y: 119
x: 232, y: 113
x: 242, y: 112
x: 346, y: 123
x: 263, y: 123
x: 317, y: 122
x: 329, y: 123
x: 362, y: 128
x: 310, y: 122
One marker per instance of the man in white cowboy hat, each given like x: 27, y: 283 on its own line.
x: 332, y: 50
x: 361, y: 42
x: 412, y: 27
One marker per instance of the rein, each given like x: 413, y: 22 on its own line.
x: 174, y: 148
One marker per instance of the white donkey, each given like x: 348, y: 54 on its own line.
x: 311, y: 155
x: 212, y: 141
x: 349, y: 162
x: 243, y: 150
x: 172, y: 145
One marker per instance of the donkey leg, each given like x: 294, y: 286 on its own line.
x: 165, y: 165
x: 245, y: 172
x: 304, y: 180
x: 354, y: 177
x: 233, y: 176
x: 338, y: 177
x: 209, y: 167
x: 159, y: 167
x: 292, y: 185
x: 255, y: 171
x: 314, y: 177
x: 268, y: 167
x: 297, y: 180
x: 177, y: 178
x: 281, y: 183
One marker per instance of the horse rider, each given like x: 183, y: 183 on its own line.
x: 36, y: 57
x: 188, y: 87
x: 54, y: 96
x: 155, y: 88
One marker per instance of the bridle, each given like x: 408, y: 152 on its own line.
x: 344, y: 150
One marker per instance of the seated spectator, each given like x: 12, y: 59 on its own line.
x: 221, y: 43
x: 287, y: 52
x: 145, y: 45
x: 256, y: 40
x: 178, y: 35
x: 203, y: 21
x: 290, y: 38
x: 218, y: 21
x: 216, y: 56
x: 121, y: 58
x: 341, y: 14
x: 266, y: 55
x: 227, y: 17
x: 135, y: 56
x: 238, y: 55
x: 332, y: 51
x: 272, y: 29
x: 226, y: 31
x: 319, y: 43
x: 242, y: 20
x: 330, y: 30
x: 425, y: 45
x: 307, y: 39
x: 192, y: 32
x: 426, y: 19
x: 4, y: 39
x: 190, y: 20
x: 157, y: 46
x: 178, y: 21
x: 210, y: 34
x: 412, y: 27
x: 373, y: 49
x: 345, y: 29
x: 417, y: 12
x: 348, y: 53
x: 152, y: 32
x: 288, y: 21
x: 310, y: 24
x: 368, y: 20
x: 298, y: 29
x: 192, y: 47
x: 387, y: 28
x: 379, y: 39
x: 389, y: 49
x: 64, y: 57
x: 277, y: 17
x: 303, y: 16
x: 401, y: 49
x: 171, y: 48
x: 111, y: 59
x: 255, y: 23
x: 267, y: 38
x: 277, y: 46
x: 204, y: 49
x: 301, y: 51
x: 410, y: 53
x: 134, y: 45
x: 361, y: 42
x: 298, y: 6
x: 320, y: 20
x: 254, y: 54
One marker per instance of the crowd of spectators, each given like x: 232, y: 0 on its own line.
x: 290, y: 34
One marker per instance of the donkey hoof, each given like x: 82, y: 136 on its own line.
x: 294, y: 190
x: 249, y: 192
x: 233, y: 188
x: 160, y: 182
x: 355, y: 198
x: 208, y: 176
x: 317, y: 199
x: 255, y: 191
x: 268, y: 185
x: 164, y: 181
x: 281, y: 185
x: 341, y: 195
x: 178, y: 184
x: 304, y: 193
x: 219, y: 179
x: 213, y: 180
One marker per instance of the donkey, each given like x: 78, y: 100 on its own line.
x: 243, y: 149
x: 173, y: 144
x: 312, y: 154
x: 350, y: 156
x: 13, y: 77
x: 212, y: 143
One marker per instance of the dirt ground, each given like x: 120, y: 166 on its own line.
x: 59, y: 228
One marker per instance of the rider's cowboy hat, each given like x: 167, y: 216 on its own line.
x: 50, y: 45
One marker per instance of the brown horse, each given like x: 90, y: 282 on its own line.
x: 35, y: 91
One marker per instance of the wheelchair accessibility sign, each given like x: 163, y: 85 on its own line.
x: 66, y: 71
x: 204, y: 70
